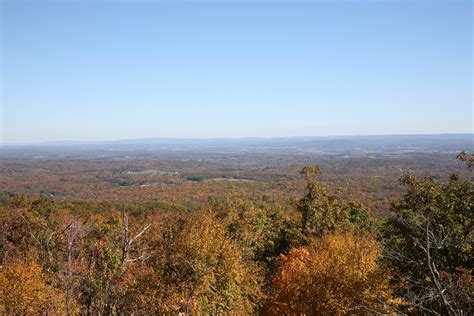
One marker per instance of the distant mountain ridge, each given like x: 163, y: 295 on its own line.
x: 296, y: 139
x: 394, y: 144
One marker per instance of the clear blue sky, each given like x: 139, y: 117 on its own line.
x: 97, y: 70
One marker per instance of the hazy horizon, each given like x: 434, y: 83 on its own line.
x: 230, y: 139
x: 112, y: 70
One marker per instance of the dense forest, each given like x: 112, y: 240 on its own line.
x: 319, y: 250
x: 236, y: 157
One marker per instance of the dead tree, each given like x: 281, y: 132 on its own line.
x: 431, y: 238
x: 127, y: 241
x: 74, y: 232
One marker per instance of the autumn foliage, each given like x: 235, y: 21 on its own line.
x: 337, y: 274
x: 196, y: 268
x: 320, y: 253
x: 24, y: 290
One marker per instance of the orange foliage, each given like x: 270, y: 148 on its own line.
x: 24, y: 291
x: 337, y: 274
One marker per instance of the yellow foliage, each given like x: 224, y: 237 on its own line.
x: 23, y: 290
x: 196, y: 268
x: 337, y: 274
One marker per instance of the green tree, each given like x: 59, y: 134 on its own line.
x: 264, y: 231
x: 429, y: 238
x: 323, y: 210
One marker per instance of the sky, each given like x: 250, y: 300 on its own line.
x: 104, y: 70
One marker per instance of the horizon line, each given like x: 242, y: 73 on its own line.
x: 71, y: 141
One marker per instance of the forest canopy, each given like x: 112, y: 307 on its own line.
x: 323, y: 253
